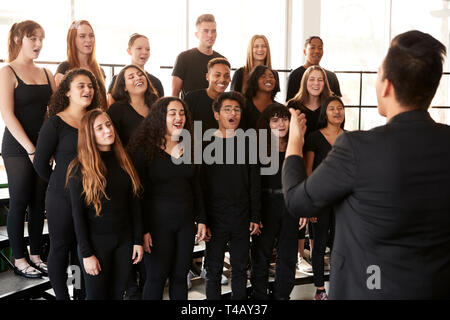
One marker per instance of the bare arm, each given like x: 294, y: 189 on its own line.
x: 110, y: 99
x: 58, y: 78
x: 51, y: 79
x: 176, y: 86
x: 7, y: 85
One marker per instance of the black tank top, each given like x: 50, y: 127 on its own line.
x: 30, y: 105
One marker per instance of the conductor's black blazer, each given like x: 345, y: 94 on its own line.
x: 390, y: 188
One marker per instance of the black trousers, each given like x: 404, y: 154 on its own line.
x: 26, y: 190
x: 238, y: 241
x: 170, y: 257
x: 63, y: 246
x: 281, y: 228
x: 114, y: 254
x: 323, y: 231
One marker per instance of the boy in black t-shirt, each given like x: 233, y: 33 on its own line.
x: 232, y: 195
x: 200, y: 101
x: 190, y: 66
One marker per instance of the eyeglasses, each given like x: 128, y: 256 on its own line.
x: 228, y: 110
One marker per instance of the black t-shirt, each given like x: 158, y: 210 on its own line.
x: 200, y: 105
x: 191, y: 66
x: 317, y: 143
x: 154, y: 81
x: 125, y: 120
x: 250, y: 115
x: 312, y: 117
x: 121, y: 211
x: 295, y: 79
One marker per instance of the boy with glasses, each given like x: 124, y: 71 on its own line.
x: 232, y: 195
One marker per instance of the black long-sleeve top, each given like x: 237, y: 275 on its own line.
x: 274, y: 181
x: 120, y: 213
x: 171, y: 191
x: 238, y: 80
x: 57, y: 139
x: 125, y: 120
x: 231, y: 189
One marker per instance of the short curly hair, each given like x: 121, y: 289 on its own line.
x: 59, y: 101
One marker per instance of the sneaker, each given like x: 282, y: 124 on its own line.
x: 326, y: 264
x: 223, y: 280
x: 304, y: 267
x: 189, y: 277
x: 321, y: 296
x: 272, y: 271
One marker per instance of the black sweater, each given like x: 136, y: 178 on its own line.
x: 125, y: 120
x: 232, y: 189
x: 120, y: 213
x: 171, y: 192
x: 57, y: 139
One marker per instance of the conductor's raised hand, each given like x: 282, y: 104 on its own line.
x: 297, y: 129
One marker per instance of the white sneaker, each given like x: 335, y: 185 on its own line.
x: 304, y: 267
x: 189, y: 277
x: 326, y: 264
x: 223, y: 280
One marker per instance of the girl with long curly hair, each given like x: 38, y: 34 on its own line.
x: 172, y: 197
x: 104, y: 187
x: 25, y: 91
x: 76, y: 94
x: 81, y: 54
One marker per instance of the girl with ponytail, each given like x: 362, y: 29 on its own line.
x: 25, y: 91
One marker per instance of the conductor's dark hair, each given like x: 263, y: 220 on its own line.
x: 230, y: 95
x: 413, y: 65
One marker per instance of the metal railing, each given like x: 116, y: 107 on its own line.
x: 112, y: 68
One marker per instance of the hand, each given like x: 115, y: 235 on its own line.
x: 297, y: 129
x: 201, y: 232
x: 91, y: 265
x: 313, y: 219
x: 302, y: 223
x: 254, y: 228
x: 208, y: 235
x: 138, y: 253
x: 147, y: 242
